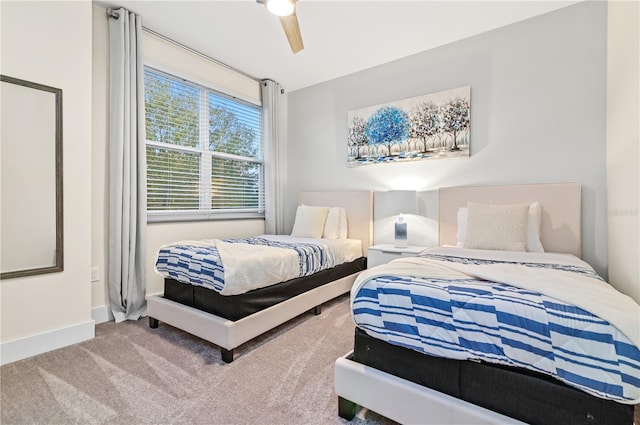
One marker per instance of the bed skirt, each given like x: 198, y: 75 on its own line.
x: 527, y: 396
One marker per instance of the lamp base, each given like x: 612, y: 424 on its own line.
x: 400, y: 240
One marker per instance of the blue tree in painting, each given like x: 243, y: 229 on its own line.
x: 387, y: 125
x: 455, y: 117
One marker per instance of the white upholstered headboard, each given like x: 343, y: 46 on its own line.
x: 359, y: 207
x: 561, y: 211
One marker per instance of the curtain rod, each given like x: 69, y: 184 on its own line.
x: 115, y: 15
x: 112, y: 14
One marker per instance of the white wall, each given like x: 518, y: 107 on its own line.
x: 99, y: 162
x: 50, y: 43
x: 158, y: 234
x: 623, y: 146
x: 537, y: 115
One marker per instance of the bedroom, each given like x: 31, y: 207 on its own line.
x: 504, y: 67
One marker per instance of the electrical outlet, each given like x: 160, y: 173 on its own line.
x: 94, y: 274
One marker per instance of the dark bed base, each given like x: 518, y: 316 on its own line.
x: 527, y: 396
x: 235, y: 307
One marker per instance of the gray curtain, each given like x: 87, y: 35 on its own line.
x: 127, y: 169
x: 275, y: 176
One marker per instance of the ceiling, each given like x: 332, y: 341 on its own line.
x: 340, y: 37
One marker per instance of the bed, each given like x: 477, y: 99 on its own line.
x: 230, y: 320
x: 471, y: 381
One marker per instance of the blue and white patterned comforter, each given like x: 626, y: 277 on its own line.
x: 235, y: 266
x: 536, y: 312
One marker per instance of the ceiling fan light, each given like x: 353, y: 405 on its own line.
x: 281, y: 7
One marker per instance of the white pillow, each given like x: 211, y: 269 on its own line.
x: 335, y: 227
x: 534, y: 224
x: 499, y: 227
x: 332, y: 224
x: 344, y: 227
x: 534, y: 244
x: 309, y: 222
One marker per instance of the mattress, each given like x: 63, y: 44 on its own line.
x: 528, y: 396
x: 236, y: 307
x: 431, y: 307
x: 236, y: 266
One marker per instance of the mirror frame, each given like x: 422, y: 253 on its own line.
x: 59, y: 255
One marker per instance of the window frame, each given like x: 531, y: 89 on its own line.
x: 206, y: 157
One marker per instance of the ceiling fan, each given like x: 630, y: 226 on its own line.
x: 286, y: 11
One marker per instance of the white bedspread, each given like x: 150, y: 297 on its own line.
x: 590, y: 294
x: 233, y: 267
x: 269, y: 265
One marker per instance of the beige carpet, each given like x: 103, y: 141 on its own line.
x: 131, y: 374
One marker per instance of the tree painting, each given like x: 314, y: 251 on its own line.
x: 411, y: 124
x: 356, y: 137
x: 455, y: 118
x: 425, y: 122
x: 386, y: 126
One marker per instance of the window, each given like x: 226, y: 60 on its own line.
x: 204, y: 152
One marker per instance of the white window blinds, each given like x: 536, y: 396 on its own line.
x: 204, y: 151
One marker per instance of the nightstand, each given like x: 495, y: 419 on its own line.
x: 383, y: 253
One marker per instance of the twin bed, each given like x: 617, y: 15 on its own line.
x: 478, y: 335
x: 455, y: 335
x: 196, y: 300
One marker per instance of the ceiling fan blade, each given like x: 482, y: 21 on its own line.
x: 292, y: 31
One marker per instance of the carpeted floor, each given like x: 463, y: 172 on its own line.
x: 131, y: 374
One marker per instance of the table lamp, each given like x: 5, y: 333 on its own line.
x: 399, y: 202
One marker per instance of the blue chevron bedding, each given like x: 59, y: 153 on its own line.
x: 199, y: 263
x: 437, y: 304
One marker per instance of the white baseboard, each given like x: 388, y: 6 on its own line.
x: 22, y: 348
x: 101, y: 314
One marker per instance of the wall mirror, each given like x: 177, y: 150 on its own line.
x: 30, y: 178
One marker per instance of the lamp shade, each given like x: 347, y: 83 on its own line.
x: 401, y: 202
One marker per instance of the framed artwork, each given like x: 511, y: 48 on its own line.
x: 432, y: 126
